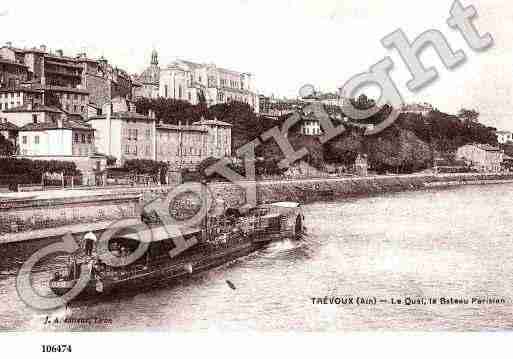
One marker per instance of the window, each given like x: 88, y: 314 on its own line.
x: 135, y: 150
x: 34, y: 118
x: 24, y: 140
x: 135, y: 134
x: 36, y: 140
x: 127, y: 149
x: 148, y: 133
x: 165, y: 90
x: 89, y: 138
x: 76, y: 137
x: 83, y: 138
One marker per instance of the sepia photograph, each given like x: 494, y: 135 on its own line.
x: 245, y: 167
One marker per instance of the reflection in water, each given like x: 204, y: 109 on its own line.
x: 437, y: 243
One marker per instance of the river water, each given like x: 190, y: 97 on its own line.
x: 451, y: 243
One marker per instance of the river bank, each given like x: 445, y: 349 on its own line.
x: 31, y: 219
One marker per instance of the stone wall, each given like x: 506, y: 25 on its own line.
x: 32, y: 215
x: 29, y: 215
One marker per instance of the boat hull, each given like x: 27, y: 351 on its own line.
x: 163, y: 274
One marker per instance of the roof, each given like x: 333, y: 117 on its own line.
x: 9, y: 62
x: 27, y: 107
x: 504, y: 132
x: 123, y: 115
x: 20, y: 89
x: 484, y: 147
x: 66, y: 125
x: 6, y: 125
x: 214, y: 122
x: 181, y: 128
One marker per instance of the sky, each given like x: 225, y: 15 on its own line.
x: 285, y: 44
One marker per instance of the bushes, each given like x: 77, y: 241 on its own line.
x: 25, y: 171
x: 147, y: 167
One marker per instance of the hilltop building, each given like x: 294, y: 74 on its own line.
x: 193, y: 82
x: 75, y: 82
x: 504, y: 137
x: 148, y: 81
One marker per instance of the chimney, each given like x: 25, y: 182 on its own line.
x: 59, y: 53
x: 8, y: 44
x: 43, y: 47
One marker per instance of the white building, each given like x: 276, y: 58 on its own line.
x: 482, y: 157
x: 189, y: 81
x: 504, y: 137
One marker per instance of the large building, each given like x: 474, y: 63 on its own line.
x: 75, y: 82
x: 482, y: 157
x: 182, y: 146
x: 187, y: 145
x: 123, y: 133
x: 47, y: 133
x: 195, y: 82
x: 12, y: 72
x: 148, y: 81
x: 504, y: 137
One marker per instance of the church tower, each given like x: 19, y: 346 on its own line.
x: 154, y: 57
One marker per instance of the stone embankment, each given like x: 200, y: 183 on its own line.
x: 26, y: 219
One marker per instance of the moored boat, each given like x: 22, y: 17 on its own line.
x: 218, y: 241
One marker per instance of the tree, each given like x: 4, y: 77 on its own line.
x: 6, y: 147
x: 468, y: 115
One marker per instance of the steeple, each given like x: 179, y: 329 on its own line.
x: 154, y: 57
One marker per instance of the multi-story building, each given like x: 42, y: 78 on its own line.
x: 46, y: 68
x: 75, y: 81
x: 148, y: 81
x: 72, y: 100
x: 123, y: 133
x: 182, y: 146
x: 32, y: 113
x: 12, y: 72
x: 219, y: 141
x: 418, y: 108
x: 103, y: 81
x: 504, y: 137
x: 58, y: 138
x: 194, y: 82
x: 274, y: 107
x: 47, y: 133
x: 187, y: 145
x: 482, y: 157
x: 12, y: 97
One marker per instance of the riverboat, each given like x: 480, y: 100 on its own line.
x: 217, y: 241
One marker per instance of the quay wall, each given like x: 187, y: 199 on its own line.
x: 29, y: 218
x: 29, y: 215
x: 305, y: 191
